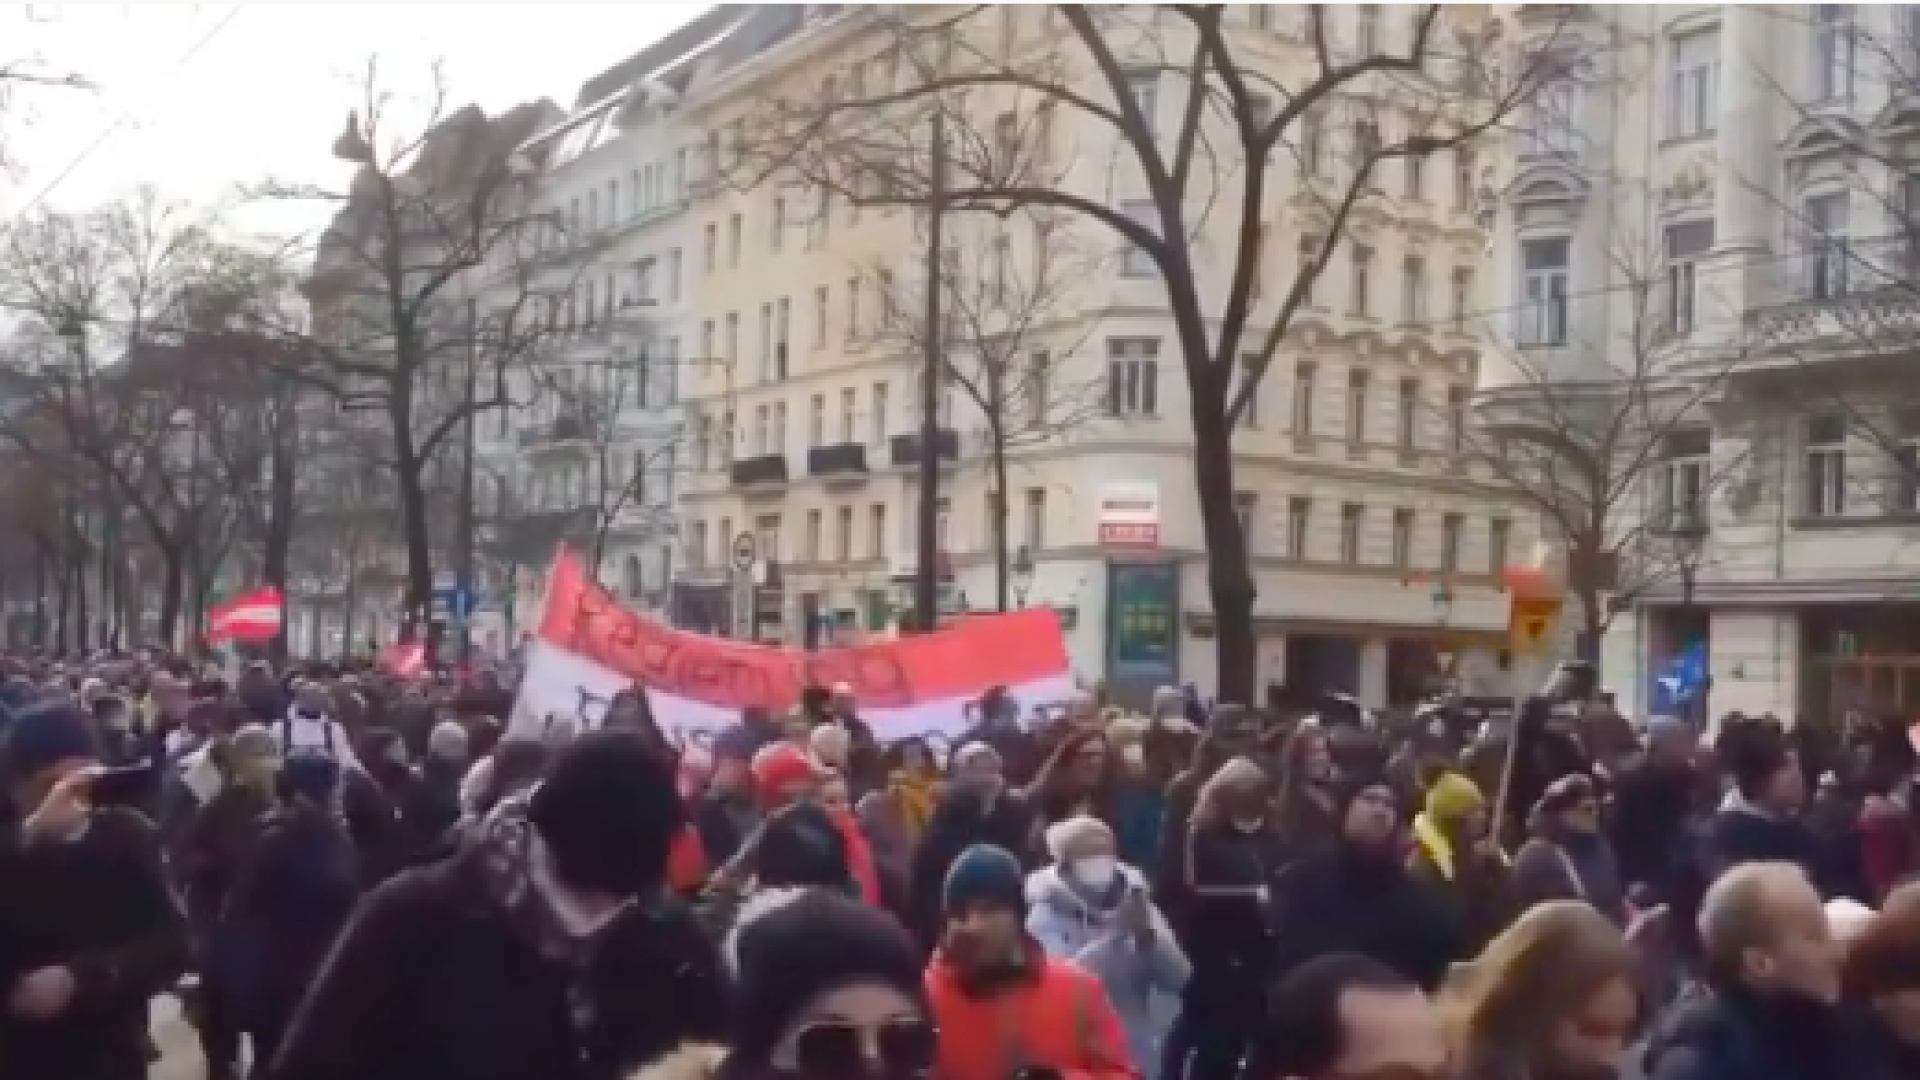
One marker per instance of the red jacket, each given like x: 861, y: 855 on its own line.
x: 1059, y: 1019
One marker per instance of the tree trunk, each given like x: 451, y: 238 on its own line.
x: 276, y: 541
x: 417, y: 529
x: 172, y: 592
x: 1229, y: 576
x: 999, y: 523
x: 82, y: 616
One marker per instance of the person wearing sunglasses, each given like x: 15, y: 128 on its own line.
x: 1568, y: 857
x: 825, y: 988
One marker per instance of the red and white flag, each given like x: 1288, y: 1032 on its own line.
x: 251, y: 616
x: 406, y: 659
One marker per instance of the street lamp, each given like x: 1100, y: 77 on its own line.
x: 1021, y: 573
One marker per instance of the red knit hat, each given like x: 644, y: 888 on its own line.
x: 779, y: 768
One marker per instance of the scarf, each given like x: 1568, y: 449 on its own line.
x: 915, y: 797
x: 516, y: 876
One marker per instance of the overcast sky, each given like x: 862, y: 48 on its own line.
x: 198, y: 98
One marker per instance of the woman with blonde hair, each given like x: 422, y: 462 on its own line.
x: 1551, y: 998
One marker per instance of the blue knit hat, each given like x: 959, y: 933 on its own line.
x: 985, y: 876
x: 45, y: 734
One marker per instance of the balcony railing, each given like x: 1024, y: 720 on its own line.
x: 1856, y: 292
x: 841, y: 460
x: 764, y: 470
x: 905, y: 449
x: 569, y: 426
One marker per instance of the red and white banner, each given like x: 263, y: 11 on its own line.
x: 251, y: 616
x: 588, y: 648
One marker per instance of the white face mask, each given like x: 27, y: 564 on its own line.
x: 1096, y: 873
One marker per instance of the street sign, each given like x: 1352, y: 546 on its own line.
x: 1530, y: 623
x: 746, y: 551
x: 450, y: 602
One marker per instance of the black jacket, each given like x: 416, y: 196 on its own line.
x: 100, y: 907
x: 431, y: 979
x: 1338, y: 902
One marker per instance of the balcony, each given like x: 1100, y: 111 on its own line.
x: 761, y: 473
x: 905, y: 449
x: 573, y: 425
x: 844, y: 461
x: 1859, y: 294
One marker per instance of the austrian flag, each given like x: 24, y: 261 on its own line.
x: 251, y: 616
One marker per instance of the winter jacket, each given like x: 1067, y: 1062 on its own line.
x: 1737, y: 1035
x: 1133, y: 971
x: 1344, y: 901
x: 1057, y: 1018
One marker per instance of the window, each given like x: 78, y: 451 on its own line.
x: 1463, y: 186
x: 593, y: 210
x: 1362, y: 284
x: 1313, y: 141
x: 710, y: 252
x: 1413, y: 290
x: 680, y: 173
x: 1456, y: 420
x: 849, y: 414
x: 613, y: 199
x: 1824, y: 246
x: 1299, y: 520
x: 1415, y: 177
x: 782, y: 334
x: 1406, y: 417
x: 1250, y: 416
x: 1352, y: 519
x: 877, y: 531
x: 1693, y: 85
x: 879, y: 417
x: 1246, y: 509
x: 1367, y: 29
x: 1550, y: 123
x: 942, y: 514
x: 1543, y: 298
x: 1133, y: 376
x: 702, y: 441
x: 1499, y: 543
x: 817, y: 420
x: 1035, y: 536
x: 1366, y: 151
x: 1906, y: 465
x: 816, y: 522
x: 820, y: 302
x: 1460, y: 298
x: 1039, y: 389
x: 1450, y: 527
x: 822, y: 218
x: 853, y: 308
x: 1687, y: 243
x: 768, y: 528
x: 766, y: 343
x: 1686, y: 457
x: 1402, y: 539
x: 633, y: 193
x: 1304, y: 375
x: 706, y: 341
x: 1358, y: 383
x: 1134, y: 260
x: 1833, y: 46
x: 697, y: 544
x: 843, y: 534
x: 779, y: 427
x: 1145, y: 88
x: 1826, y: 450
x: 1309, y: 252
x: 735, y: 233
x: 777, y: 225
x: 673, y: 275
x: 728, y: 439
x: 762, y: 423
x: 725, y: 536
x: 889, y: 299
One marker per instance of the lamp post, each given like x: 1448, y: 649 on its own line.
x: 1020, y: 570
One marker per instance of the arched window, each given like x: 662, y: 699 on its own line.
x: 630, y: 573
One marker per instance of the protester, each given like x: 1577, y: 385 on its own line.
x: 1554, y: 995
x: 997, y: 996
x: 1772, y: 969
x: 1089, y: 908
x: 1455, y: 858
x: 1567, y: 857
x: 481, y: 966
x: 1341, y: 1015
x: 977, y: 809
x: 1880, y: 977
x: 89, y: 930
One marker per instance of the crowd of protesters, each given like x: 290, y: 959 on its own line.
x: 350, y: 876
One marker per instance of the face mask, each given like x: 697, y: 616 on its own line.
x: 1096, y: 873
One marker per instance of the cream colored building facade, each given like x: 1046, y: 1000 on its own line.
x: 1749, y: 157
x: 1372, y: 546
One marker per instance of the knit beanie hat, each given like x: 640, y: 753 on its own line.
x: 1453, y: 797
x: 1063, y: 836
x: 46, y: 734
x: 801, y: 847
x: 608, y: 812
x: 789, y: 946
x: 778, y: 768
x: 984, y: 875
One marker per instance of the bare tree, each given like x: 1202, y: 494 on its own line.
x: 1212, y: 117
x: 435, y: 281
x: 1012, y: 327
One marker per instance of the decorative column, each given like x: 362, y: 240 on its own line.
x: 1744, y: 203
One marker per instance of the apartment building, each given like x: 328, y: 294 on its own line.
x: 1374, y: 548
x: 1748, y: 162
x: 593, y: 453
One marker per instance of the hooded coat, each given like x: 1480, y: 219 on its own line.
x: 1073, y: 926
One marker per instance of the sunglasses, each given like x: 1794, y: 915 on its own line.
x: 835, y: 1051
